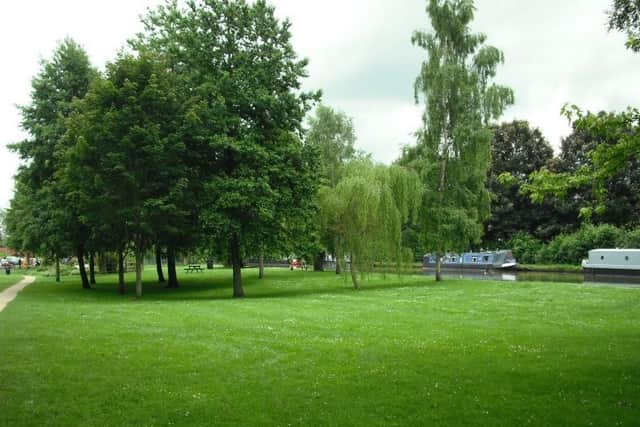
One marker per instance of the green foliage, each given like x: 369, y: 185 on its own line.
x: 613, y: 141
x: 517, y: 150
x: 573, y: 248
x: 333, y: 134
x: 41, y: 218
x: 367, y: 210
x: 631, y: 239
x: 454, y: 147
x: 625, y: 17
x: 243, y: 119
x: 525, y: 247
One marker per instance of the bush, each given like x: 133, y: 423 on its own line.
x: 631, y: 239
x: 572, y: 248
x: 525, y: 247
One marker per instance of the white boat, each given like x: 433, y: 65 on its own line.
x: 612, y: 262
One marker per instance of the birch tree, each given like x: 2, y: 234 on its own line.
x: 454, y: 144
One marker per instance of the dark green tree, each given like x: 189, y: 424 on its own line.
x: 519, y: 150
x: 625, y: 16
x: 40, y: 218
x: 244, y: 114
x: 597, y: 172
x: 455, y: 83
x: 128, y: 153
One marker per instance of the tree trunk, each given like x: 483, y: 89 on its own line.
x: 354, y: 273
x: 92, y: 268
x: 338, y: 264
x: 438, y: 268
x: 121, y: 288
x: 171, y: 267
x: 57, y: 269
x: 159, y: 264
x: 139, y: 265
x: 83, y: 271
x: 318, y: 263
x: 236, y: 262
x: 261, y: 267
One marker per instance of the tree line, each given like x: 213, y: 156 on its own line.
x: 194, y: 139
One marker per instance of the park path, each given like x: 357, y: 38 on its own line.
x: 9, y: 294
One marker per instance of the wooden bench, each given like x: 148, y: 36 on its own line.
x: 193, y: 268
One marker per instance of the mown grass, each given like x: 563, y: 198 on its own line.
x: 8, y: 280
x: 304, y: 349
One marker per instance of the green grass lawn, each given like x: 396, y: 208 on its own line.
x: 304, y: 349
x: 8, y: 280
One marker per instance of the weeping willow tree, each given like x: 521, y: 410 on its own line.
x: 366, y: 212
x: 454, y: 145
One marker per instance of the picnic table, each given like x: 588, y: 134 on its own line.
x: 193, y: 268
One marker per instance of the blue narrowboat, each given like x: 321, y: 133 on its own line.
x: 495, y: 260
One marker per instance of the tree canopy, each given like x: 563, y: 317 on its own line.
x: 367, y: 210
x: 625, y: 16
x: 453, y: 153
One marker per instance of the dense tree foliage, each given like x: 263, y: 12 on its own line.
x: 245, y: 112
x: 519, y: 150
x: 41, y: 217
x: 621, y: 200
x: 125, y: 134
x: 454, y: 147
x: 332, y: 134
x: 194, y: 137
x: 366, y: 212
x: 625, y: 17
x: 611, y: 164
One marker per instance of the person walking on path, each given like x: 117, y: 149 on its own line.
x: 9, y: 294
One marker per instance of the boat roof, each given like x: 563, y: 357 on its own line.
x: 615, y: 250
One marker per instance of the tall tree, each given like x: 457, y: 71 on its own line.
x: 598, y: 165
x: 244, y: 111
x: 125, y: 131
x: 519, y: 150
x: 332, y: 133
x: 41, y: 218
x: 625, y: 17
x: 455, y: 83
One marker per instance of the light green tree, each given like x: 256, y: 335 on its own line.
x: 617, y: 144
x: 367, y: 210
x: 332, y: 134
x: 454, y: 146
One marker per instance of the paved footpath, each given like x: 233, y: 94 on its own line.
x: 9, y: 294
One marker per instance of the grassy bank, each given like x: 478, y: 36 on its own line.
x: 8, y: 280
x: 304, y: 349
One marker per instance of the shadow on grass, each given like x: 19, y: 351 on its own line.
x: 278, y: 283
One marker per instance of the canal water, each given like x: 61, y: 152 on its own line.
x: 530, y: 276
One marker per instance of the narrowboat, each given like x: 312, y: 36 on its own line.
x: 498, y: 260
x: 612, y: 262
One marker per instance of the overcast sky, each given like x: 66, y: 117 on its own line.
x: 361, y: 57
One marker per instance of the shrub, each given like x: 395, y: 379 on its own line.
x: 572, y: 248
x: 631, y: 239
x: 525, y: 247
